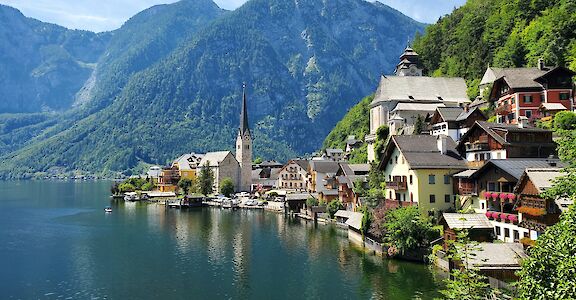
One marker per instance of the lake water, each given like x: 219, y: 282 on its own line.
x: 56, y: 242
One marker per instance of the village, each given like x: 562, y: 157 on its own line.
x: 479, y: 166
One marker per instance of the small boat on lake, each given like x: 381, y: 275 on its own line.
x: 108, y: 209
x: 229, y: 203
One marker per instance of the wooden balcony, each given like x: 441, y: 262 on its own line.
x: 397, y: 185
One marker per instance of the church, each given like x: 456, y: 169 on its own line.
x: 407, y: 96
x: 236, y: 167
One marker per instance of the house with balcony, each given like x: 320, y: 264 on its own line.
x: 485, y: 141
x: 418, y: 170
x: 490, y: 190
x: 294, y: 175
x: 168, y: 179
x: 454, y: 121
x: 530, y: 92
x: 322, y: 179
x: 347, y: 176
x: 187, y: 165
x: 538, y: 213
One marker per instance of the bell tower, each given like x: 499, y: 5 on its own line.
x: 244, y: 148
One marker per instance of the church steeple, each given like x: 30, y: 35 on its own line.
x: 244, y: 128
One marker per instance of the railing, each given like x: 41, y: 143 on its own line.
x: 397, y: 185
x: 502, y: 217
x: 478, y: 146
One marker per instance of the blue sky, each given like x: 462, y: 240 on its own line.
x: 103, y: 15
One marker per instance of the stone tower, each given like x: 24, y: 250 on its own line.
x: 244, y: 148
x: 409, y: 64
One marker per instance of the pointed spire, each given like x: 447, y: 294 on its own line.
x: 244, y: 129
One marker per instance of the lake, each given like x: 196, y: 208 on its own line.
x: 56, y: 242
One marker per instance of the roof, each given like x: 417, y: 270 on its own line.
x: 271, y: 164
x: 421, y: 152
x: 303, y: 163
x: 491, y: 129
x: 521, y: 77
x: 553, y: 106
x: 244, y: 128
x: 186, y: 161
x: 465, y: 174
x: 324, y: 166
x: 542, y: 178
x: 450, y: 113
x: 334, y: 151
x: 359, y: 168
x: 297, y: 196
x: 421, y: 88
x: 467, y: 221
x: 466, y: 114
x: 497, y: 256
x: 490, y: 75
x: 516, y: 166
x: 343, y: 213
x: 215, y: 158
x: 354, y: 220
x: 402, y: 106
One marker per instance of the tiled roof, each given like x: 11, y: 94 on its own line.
x: 465, y: 114
x: 450, y: 113
x: 542, y: 178
x: 421, y: 152
x: 497, y: 256
x: 421, y: 88
x: 553, y: 106
x: 324, y: 166
x: 491, y: 129
x: 516, y: 166
x: 215, y: 158
x: 355, y: 220
x: 467, y: 221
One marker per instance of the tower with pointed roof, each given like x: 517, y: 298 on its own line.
x: 244, y: 148
x: 409, y: 64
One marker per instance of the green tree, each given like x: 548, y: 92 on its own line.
x: 382, y: 134
x: 114, y: 190
x: 407, y: 229
x: 126, y: 187
x: 465, y: 283
x: 258, y: 160
x: 548, y: 272
x: 334, y: 206
x: 419, y: 125
x: 185, y: 185
x: 206, y: 180
x: 148, y: 186
x: 565, y: 120
x: 227, y: 187
x: 366, y: 221
x: 311, y: 201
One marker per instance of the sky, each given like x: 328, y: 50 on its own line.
x: 105, y: 15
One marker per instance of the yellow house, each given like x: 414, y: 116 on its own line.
x: 418, y: 170
x: 187, y: 165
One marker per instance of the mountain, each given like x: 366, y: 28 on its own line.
x: 303, y: 61
x: 499, y: 33
x: 43, y: 65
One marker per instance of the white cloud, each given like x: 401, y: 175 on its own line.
x: 103, y: 15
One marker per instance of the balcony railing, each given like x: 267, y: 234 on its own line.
x: 502, y: 217
x: 477, y: 146
x: 397, y: 185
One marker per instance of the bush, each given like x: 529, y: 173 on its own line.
x: 310, y: 202
x: 408, y: 230
x: 126, y: 187
x: 333, y: 207
x: 565, y: 120
x: 148, y: 186
x: 227, y: 187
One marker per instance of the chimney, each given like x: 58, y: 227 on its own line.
x: 442, y: 143
x: 522, y: 122
x: 541, y: 65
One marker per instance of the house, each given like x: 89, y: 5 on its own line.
x: 168, y: 180
x: 536, y: 212
x: 478, y: 227
x: 531, y: 92
x: 154, y: 173
x: 187, y: 164
x: 485, y: 141
x: 346, y: 176
x: 490, y: 190
x: 264, y: 179
x: 321, y: 179
x: 334, y: 154
x: 497, y: 261
x: 418, y: 170
x: 352, y: 144
x: 454, y: 121
x: 402, y: 99
x: 294, y: 175
x: 224, y: 165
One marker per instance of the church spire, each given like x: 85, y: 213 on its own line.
x: 244, y: 129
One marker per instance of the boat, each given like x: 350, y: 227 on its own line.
x: 229, y: 203
x: 108, y: 209
x: 131, y: 196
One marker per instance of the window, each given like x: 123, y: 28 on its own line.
x: 432, y: 198
x: 411, y: 197
x: 506, y: 232
x: 431, y: 179
x: 447, y: 199
x: 492, y: 187
x: 483, y: 205
x: 396, y: 159
x: 390, y: 194
x: 446, y: 179
x: 564, y: 96
x: 410, y: 179
x: 498, y: 232
x: 527, y: 99
x: 516, y: 235
x: 526, y: 234
x: 528, y: 114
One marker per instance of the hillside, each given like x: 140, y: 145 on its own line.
x: 43, y: 65
x: 499, y: 33
x: 303, y: 62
